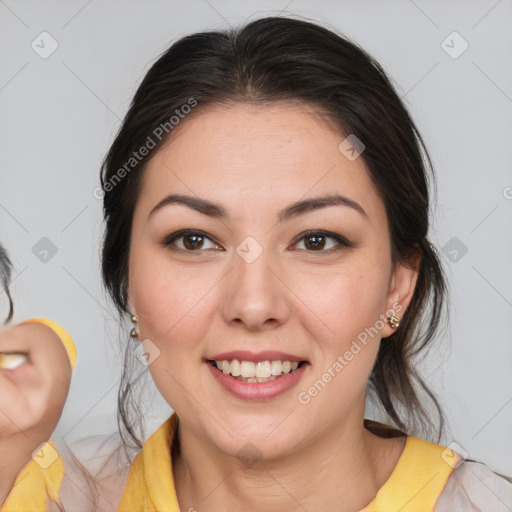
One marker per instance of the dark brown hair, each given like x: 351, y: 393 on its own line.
x: 286, y: 59
x: 5, y: 279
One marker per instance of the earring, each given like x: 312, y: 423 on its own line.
x: 134, y: 333
x: 393, y: 322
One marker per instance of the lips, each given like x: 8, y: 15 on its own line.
x: 266, y: 355
x: 257, y: 376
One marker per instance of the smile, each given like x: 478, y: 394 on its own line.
x: 257, y: 380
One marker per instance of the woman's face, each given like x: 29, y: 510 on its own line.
x: 254, y: 286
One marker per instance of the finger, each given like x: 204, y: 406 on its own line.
x: 63, y: 335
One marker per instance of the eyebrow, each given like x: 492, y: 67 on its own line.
x: 295, y: 209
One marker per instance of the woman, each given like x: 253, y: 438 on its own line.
x: 267, y: 213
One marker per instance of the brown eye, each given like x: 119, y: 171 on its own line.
x: 192, y: 241
x: 316, y: 241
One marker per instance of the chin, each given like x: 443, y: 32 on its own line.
x: 252, y: 436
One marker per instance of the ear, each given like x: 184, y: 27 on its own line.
x: 401, y: 288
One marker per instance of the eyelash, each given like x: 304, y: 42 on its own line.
x: 343, y: 243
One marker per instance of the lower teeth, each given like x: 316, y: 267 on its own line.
x: 257, y: 379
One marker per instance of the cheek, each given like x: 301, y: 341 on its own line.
x: 165, y: 293
x: 171, y: 308
x: 347, y: 312
x: 343, y: 301
x: 173, y: 303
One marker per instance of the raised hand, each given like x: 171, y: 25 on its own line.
x: 36, y: 361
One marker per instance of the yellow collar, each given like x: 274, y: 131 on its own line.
x: 417, y: 480
x: 150, y: 484
x: 37, y: 482
x: 415, y: 484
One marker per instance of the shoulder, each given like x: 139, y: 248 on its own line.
x: 474, y: 487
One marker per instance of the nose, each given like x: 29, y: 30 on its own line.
x: 256, y: 296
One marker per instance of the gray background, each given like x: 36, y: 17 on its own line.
x: 59, y: 115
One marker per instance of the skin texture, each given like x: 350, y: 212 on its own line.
x: 32, y: 396
x: 293, y: 298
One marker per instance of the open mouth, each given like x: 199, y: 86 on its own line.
x: 261, y: 371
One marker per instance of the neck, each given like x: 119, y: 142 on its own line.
x: 345, y: 467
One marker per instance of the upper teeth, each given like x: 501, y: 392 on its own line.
x: 260, y: 369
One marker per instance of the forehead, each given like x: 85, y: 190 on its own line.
x: 241, y: 154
